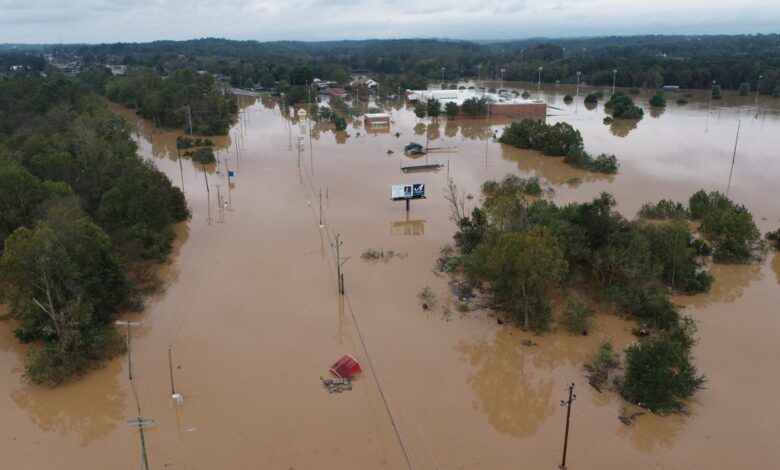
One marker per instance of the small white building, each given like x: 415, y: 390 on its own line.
x: 118, y: 69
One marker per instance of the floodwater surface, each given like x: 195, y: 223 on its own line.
x: 250, y: 309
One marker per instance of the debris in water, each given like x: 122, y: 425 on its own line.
x: 629, y: 420
x: 337, y: 385
x: 345, y: 367
x: 528, y: 342
x: 499, y: 321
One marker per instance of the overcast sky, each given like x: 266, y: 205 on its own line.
x: 94, y: 21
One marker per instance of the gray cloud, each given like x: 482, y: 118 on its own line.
x: 144, y: 20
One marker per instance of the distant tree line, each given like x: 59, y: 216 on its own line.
x: 641, y: 61
x: 78, y: 209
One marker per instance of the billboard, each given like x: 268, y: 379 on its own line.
x: 407, y: 191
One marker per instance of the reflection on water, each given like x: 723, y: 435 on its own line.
x: 731, y: 280
x: 621, y: 127
x: 508, y: 390
x: 656, y: 112
x: 407, y: 227
x: 550, y: 168
x: 88, y: 409
x: 651, y: 430
x: 591, y: 106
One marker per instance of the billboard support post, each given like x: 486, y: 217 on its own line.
x: 407, y: 205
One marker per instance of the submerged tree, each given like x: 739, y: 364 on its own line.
x: 623, y: 107
x: 451, y: 109
x: 522, y: 267
x: 660, y: 373
x: 64, y: 284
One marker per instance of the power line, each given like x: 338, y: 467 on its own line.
x: 141, y: 423
x: 336, y: 245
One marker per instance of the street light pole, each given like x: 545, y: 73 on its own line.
x: 539, y: 84
x: 758, y: 84
x: 578, y: 83
x: 502, y: 78
x: 479, y: 73
x: 614, y: 78
x: 712, y: 91
x: 442, y: 76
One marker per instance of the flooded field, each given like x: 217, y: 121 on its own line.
x: 250, y: 309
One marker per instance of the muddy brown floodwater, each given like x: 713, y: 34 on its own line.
x: 250, y: 309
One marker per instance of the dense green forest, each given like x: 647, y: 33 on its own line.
x: 78, y: 210
x: 171, y: 101
x: 641, y: 61
x: 523, y: 250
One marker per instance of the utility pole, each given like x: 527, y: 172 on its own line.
x: 733, y: 158
x: 208, y: 192
x: 709, y: 109
x: 238, y: 153
x: 181, y: 168
x: 127, y: 325
x: 614, y: 78
x: 189, y: 118
x: 219, y: 203
x: 758, y: 84
x: 176, y: 397
x: 321, y: 224
x: 339, y: 262
x: 230, y: 195
x: 539, y: 84
x: 568, y: 402
x: 141, y: 423
x: 502, y: 78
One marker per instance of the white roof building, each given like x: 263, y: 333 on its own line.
x: 459, y: 96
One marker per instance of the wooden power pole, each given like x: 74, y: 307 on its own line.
x: 567, y: 403
x: 141, y: 423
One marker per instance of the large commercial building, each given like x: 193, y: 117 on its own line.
x: 505, y: 104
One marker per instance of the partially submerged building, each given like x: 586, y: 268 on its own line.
x: 505, y: 104
x: 376, y: 121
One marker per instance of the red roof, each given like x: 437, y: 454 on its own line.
x: 347, y: 366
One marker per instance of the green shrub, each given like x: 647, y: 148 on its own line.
x: 578, y: 316
x: 204, y: 155
x: 556, y: 140
x: 606, y: 358
x: 660, y: 375
x: 623, y: 107
x: 568, y: 99
x: 775, y: 238
x: 658, y: 100
x: 591, y: 98
x: 728, y: 226
x: 681, y: 101
x: 663, y: 209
